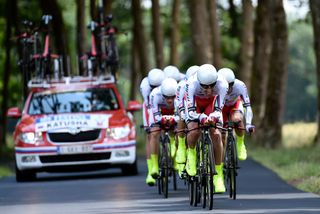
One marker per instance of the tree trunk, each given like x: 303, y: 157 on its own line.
x: 215, y: 33
x: 315, y: 13
x: 93, y: 10
x: 175, y: 33
x: 157, y: 33
x: 262, y: 51
x: 234, y: 30
x: 141, y: 41
x: 278, y: 77
x: 81, y: 32
x: 200, y: 32
x: 107, y: 6
x: 135, y: 67
x: 246, y: 50
x: 11, y: 13
x: 60, y: 37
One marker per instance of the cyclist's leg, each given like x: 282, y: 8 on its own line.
x: 192, y: 139
x: 237, y: 116
x: 154, y: 147
x: 218, y: 155
x: 145, y: 115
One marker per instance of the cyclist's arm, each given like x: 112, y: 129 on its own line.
x: 190, y: 102
x: 246, y: 102
x: 154, y: 103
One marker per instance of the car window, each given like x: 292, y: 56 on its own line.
x: 90, y: 100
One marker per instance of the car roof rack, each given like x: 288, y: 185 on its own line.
x: 107, y: 79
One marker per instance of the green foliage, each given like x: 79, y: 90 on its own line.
x: 301, y: 88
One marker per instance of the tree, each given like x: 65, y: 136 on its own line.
x: 11, y: 17
x: 200, y: 31
x: 60, y: 37
x: 138, y: 30
x: 81, y: 31
x: 262, y: 51
x: 175, y: 33
x: 234, y: 30
x: 315, y: 13
x: 215, y: 32
x: 246, y: 49
x: 277, y: 76
x: 157, y: 33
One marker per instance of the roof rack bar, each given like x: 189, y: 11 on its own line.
x: 35, y: 83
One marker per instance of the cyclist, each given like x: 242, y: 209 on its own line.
x: 204, y: 102
x: 173, y: 72
x: 233, y: 109
x: 154, y: 79
x: 180, y: 99
x: 162, y: 103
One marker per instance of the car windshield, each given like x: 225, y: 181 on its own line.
x: 90, y: 100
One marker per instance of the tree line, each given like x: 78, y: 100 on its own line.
x: 182, y: 33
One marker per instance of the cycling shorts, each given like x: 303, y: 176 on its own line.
x: 205, y: 105
x: 145, y: 116
x: 227, y: 110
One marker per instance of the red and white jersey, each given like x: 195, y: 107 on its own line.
x: 145, y: 90
x: 181, y: 91
x: 159, y: 106
x: 238, y: 89
x: 194, y: 90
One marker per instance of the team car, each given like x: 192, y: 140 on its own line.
x: 78, y: 123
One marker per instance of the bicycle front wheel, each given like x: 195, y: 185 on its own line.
x: 165, y: 168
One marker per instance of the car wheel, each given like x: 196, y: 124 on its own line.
x: 22, y: 176
x: 130, y: 169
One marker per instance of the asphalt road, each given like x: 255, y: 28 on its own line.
x: 259, y: 191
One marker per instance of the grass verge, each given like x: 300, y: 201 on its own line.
x: 297, y: 162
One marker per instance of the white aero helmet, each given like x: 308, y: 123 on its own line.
x: 192, y: 70
x: 228, y: 74
x: 207, y: 74
x: 172, y: 72
x: 169, y: 87
x: 155, y: 77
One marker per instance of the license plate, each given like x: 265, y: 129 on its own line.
x: 75, y: 149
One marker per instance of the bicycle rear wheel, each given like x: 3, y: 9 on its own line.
x: 232, y: 168
x: 165, y: 169
x: 210, y: 173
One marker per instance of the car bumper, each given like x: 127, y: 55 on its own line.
x: 42, y: 158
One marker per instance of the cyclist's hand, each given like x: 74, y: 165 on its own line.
x: 168, y: 121
x: 203, y: 118
x: 215, y: 117
x: 250, y: 128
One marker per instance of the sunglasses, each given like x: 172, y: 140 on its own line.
x: 169, y: 97
x: 231, y: 84
x: 207, y: 86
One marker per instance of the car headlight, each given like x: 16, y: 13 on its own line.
x: 31, y: 137
x: 119, y: 132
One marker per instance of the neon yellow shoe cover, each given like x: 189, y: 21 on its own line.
x: 191, y: 162
x: 173, y: 147
x: 218, y: 180
x: 181, y: 151
x: 155, y: 166
x: 241, y: 148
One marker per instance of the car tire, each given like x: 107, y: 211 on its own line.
x: 22, y: 176
x: 130, y: 169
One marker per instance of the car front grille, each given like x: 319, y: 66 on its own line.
x: 75, y: 157
x: 65, y: 137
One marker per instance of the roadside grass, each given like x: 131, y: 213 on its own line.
x: 297, y: 161
x: 6, y: 158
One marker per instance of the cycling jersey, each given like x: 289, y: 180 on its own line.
x: 235, y: 95
x: 145, y: 90
x: 197, y: 99
x: 159, y: 106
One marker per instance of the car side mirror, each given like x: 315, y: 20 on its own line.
x: 14, y: 112
x: 134, y: 106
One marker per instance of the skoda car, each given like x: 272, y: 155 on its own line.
x: 75, y: 124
